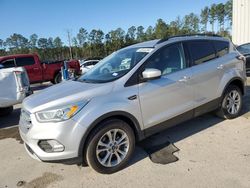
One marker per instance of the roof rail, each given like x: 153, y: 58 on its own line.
x: 188, y: 35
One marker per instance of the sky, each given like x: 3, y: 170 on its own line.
x: 52, y: 18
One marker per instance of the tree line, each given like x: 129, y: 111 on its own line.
x: 215, y: 19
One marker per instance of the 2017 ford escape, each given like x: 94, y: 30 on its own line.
x: 99, y: 117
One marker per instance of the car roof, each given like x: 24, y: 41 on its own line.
x: 154, y: 43
x: 147, y: 44
x: 15, y: 56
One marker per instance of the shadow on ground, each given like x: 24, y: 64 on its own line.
x: 10, y: 120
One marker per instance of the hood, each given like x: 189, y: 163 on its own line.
x: 63, y: 94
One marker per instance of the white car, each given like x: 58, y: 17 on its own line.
x: 87, y: 65
x: 15, y: 86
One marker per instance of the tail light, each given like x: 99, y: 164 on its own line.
x: 18, y: 75
x: 22, y: 80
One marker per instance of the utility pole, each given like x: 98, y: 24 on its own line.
x: 69, y: 39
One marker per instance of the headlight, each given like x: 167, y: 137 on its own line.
x: 60, y: 114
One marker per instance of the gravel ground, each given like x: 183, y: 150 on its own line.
x: 207, y: 152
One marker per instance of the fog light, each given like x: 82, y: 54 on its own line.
x: 50, y: 146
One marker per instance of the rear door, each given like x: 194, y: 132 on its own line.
x: 171, y: 95
x: 206, y: 72
x: 33, y: 69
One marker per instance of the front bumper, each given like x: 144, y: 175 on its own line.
x: 69, y: 133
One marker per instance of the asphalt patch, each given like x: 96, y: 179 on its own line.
x: 160, y: 150
x: 10, y: 133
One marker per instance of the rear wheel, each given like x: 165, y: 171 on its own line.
x: 231, y: 103
x: 58, y: 78
x: 110, y: 146
x: 6, y: 111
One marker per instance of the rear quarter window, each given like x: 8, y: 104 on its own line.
x: 201, y: 51
x: 24, y: 61
x: 222, y: 48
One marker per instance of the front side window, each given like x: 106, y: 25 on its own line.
x: 115, y: 65
x: 168, y: 59
x: 24, y: 61
x: 201, y: 51
x: 8, y: 63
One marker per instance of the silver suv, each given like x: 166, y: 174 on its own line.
x: 99, y: 117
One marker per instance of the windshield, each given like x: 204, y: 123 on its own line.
x: 244, y: 49
x: 115, y: 65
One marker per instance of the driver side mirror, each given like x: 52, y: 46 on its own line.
x: 151, y: 74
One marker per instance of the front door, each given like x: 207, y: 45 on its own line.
x: 171, y: 95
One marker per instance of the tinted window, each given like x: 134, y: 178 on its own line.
x: 8, y: 63
x: 24, y: 61
x: 221, y: 47
x: 244, y: 49
x: 168, y: 59
x: 201, y: 51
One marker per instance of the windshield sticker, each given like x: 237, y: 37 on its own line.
x: 115, y: 74
x: 145, y: 50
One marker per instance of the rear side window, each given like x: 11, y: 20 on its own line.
x: 8, y: 63
x: 24, y: 61
x: 222, y: 47
x: 201, y: 51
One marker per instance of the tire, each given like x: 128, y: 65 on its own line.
x: 6, y: 111
x: 100, y: 136
x: 57, y: 79
x: 234, y: 93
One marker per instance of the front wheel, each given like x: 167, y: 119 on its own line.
x: 110, y: 146
x: 231, y: 103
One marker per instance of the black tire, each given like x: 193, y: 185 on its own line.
x: 223, y: 111
x: 98, y: 134
x: 58, y: 78
x: 6, y: 111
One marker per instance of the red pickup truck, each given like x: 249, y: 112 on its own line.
x: 38, y: 71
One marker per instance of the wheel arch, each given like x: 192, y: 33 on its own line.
x: 237, y: 81
x: 121, y: 115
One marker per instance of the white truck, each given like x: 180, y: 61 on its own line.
x: 14, y: 87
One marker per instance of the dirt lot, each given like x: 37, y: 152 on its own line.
x: 208, y: 152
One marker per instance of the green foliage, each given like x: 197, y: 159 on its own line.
x: 98, y: 44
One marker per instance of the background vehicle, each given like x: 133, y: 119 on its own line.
x: 86, y: 65
x: 245, y: 50
x: 39, y: 71
x: 99, y: 117
x: 14, y: 84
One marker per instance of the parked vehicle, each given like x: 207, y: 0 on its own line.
x: 86, y: 65
x: 14, y: 84
x: 39, y: 71
x: 245, y: 50
x: 99, y: 117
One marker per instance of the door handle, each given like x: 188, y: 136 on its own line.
x: 133, y: 97
x: 220, y: 67
x: 184, y: 79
